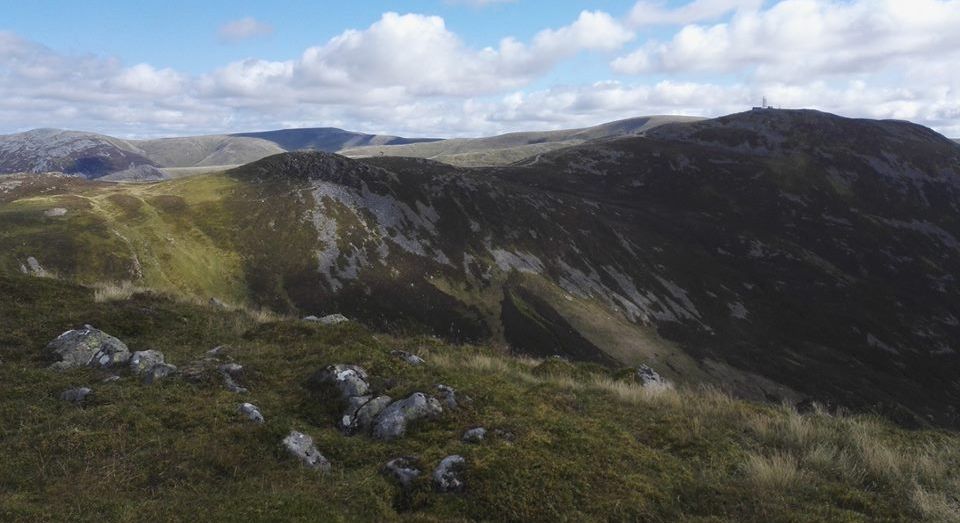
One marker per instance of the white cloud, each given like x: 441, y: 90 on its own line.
x: 797, y: 39
x: 412, y: 75
x: 479, y: 3
x: 243, y: 29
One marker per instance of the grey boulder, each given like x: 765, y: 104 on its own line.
x: 403, y: 470
x: 448, y: 476
x: 251, y: 412
x: 158, y: 372
x: 361, y: 412
x: 349, y: 380
x: 87, y: 347
x: 647, y: 377
x: 412, y: 359
x: 392, y: 423
x: 475, y: 435
x: 302, y: 447
x: 450, y: 397
x: 77, y: 395
x: 143, y: 360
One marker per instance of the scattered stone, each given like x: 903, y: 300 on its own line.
x: 216, y: 302
x: 310, y: 318
x: 112, y: 378
x: 158, y: 372
x: 333, y: 319
x: 143, y: 360
x: 412, y: 359
x: 251, y: 411
x: 350, y: 380
x: 648, y: 377
x: 504, y: 435
x: 33, y: 267
x: 56, y: 211
x: 404, y: 470
x: 450, y: 397
x: 228, y: 371
x: 361, y: 413
x: 393, y: 421
x: 77, y: 395
x: 302, y: 447
x: 216, y: 350
x: 475, y: 435
x: 87, y: 347
x: 447, y: 475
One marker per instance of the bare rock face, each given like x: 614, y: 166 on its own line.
x: 392, y: 423
x: 87, y: 347
x: 330, y: 319
x: 448, y: 476
x: 302, y: 447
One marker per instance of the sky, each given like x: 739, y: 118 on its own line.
x: 446, y: 68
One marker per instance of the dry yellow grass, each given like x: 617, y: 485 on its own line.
x: 115, y: 291
x: 777, y: 472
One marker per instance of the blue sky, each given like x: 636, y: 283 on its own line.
x: 467, y: 67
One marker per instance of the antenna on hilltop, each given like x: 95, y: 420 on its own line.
x: 764, y: 102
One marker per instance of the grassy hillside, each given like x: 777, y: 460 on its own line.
x: 587, y: 443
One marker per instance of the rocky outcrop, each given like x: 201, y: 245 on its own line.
x: 87, y: 347
x: 349, y: 380
x: 393, y: 422
x: 302, y: 447
x: 330, y: 319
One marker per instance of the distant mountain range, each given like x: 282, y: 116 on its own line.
x: 98, y: 156
x: 779, y: 254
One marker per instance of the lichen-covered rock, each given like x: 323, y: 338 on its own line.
x: 77, y: 395
x: 475, y: 435
x: 158, y: 372
x: 87, y: 347
x: 404, y: 470
x: 349, y: 380
x: 143, y: 360
x: 361, y: 413
x: 647, y: 377
x: 448, y: 476
x: 412, y: 359
x: 392, y: 423
x: 111, y: 378
x: 252, y: 412
x: 301, y: 446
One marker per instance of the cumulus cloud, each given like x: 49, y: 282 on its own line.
x: 410, y: 74
x: 794, y: 39
x: 243, y: 29
x: 416, y: 55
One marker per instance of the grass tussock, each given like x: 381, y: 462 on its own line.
x: 115, y: 291
x: 778, y: 472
